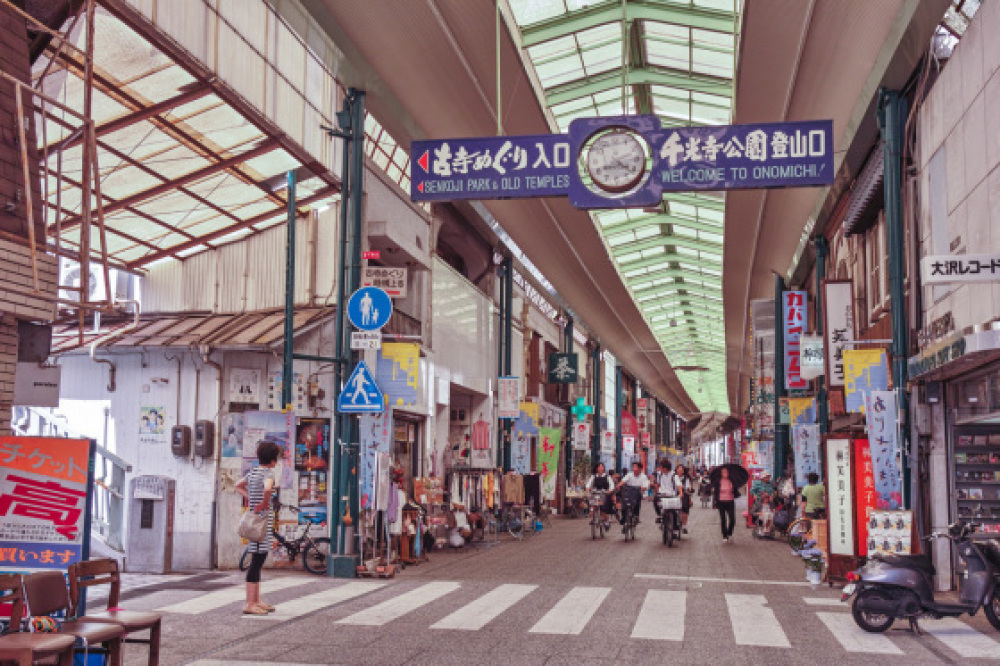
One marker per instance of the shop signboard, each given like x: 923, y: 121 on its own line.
x: 792, y: 154
x: 812, y: 362
x: 608, y: 442
x: 793, y: 319
x: 45, y: 490
x: 784, y: 412
x: 952, y: 268
x: 841, y: 507
x: 864, y: 492
x: 838, y: 312
x: 581, y: 436
x: 805, y: 440
x: 508, y: 397
x: 390, y: 279
x: 865, y: 370
x: 37, y: 385
x: 563, y: 368
x: 646, y: 439
x: 547, y: 456
x: 881, y: 415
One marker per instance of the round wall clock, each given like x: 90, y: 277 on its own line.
x: 616, y: 160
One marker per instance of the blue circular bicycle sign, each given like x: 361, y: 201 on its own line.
x: 369, y: 308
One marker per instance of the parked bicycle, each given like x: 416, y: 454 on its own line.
x: 314, y: 550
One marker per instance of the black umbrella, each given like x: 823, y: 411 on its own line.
x: 737, y: 474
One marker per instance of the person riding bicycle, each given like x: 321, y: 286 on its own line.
x: 640, y: 482
x: 600, y: 480
x: 667, y: 485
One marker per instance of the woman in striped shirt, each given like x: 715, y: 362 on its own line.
x: 257, y: 487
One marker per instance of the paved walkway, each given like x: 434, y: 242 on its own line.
x: 555, y: 598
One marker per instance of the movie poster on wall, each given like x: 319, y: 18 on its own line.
x: 232, y: 435
x: 312, y: 444
x: 274, y: 426
x: 152, y: 424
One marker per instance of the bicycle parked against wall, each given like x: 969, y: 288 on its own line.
x: 314, y: 550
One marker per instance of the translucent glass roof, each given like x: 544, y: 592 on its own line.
x: 676, y: 59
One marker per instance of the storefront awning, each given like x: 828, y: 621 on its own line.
x: 955, y: 355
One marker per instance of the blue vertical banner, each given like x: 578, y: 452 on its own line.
x: 805, y: 440
x: 376, y: 438
x: 881, y: 413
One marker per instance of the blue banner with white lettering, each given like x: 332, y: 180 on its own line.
x: 499, y: 167
x: 624, y: 161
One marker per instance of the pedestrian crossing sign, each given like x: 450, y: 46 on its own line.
x: 361, y: 395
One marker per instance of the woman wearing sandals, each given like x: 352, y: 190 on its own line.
x: 258, y: 487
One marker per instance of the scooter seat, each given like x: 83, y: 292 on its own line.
x: 916, y: 562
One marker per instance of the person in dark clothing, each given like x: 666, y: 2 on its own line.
x: 725, y: 493
x: 600, y: 480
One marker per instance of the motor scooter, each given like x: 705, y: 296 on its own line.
x: 895, y: 587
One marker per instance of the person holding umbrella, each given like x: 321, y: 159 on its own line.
x: 726, y: 482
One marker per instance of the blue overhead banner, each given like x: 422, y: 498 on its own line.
x: 624, y: 161
x: 500, y: 167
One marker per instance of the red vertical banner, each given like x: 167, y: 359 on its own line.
x: 864, y: 489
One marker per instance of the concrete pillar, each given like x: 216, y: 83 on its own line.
x: 940, y: 503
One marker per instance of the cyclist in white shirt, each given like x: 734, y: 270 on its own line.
x: 667, y: 484
x: 636, y: 479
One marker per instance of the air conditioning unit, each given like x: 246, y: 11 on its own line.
x: 69, y: 276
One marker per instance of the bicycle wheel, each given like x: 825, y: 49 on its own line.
x: 315, y: 556
x: 798, y: 532
x: 245, y: 560
x: 593, y: 527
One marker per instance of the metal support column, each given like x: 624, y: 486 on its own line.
x: 508, y: 334
x: 619, y: 405
x: 345, y: 472
x: 568, y: 447
x: 502, y: 303
x: 288, y: 349
x: 335, y: 505
x: 892, y: 111
x: 780, y: 431
x: 821, y: 253
x: 595, y: 436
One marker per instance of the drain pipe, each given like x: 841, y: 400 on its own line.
x: 112, y: 369
x: 213, y: 556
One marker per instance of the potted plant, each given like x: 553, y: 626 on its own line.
x: 814, y: 569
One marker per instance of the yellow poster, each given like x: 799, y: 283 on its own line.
x: 801, y: 411
x: 865, y: 370
x: 398, y: 373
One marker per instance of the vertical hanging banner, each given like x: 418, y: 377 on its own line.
x: 508, y: 397
x: 45, y: 486
x: 581, y: 436
x: 794, y: 321
x: 525, y: 427
x: 549, y: 444
x: 801, y: 411
x: 838, y: 311
x: 865, y: 497
x: 865, y: 370
x: 805, y: 439
x: 841, y: 508
x: 881, y: 416
x: 376, y: 439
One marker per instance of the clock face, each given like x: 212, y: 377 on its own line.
x: 616, y: 161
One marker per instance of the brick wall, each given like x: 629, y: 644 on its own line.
x: 13, y: 196
x: 8, y: 362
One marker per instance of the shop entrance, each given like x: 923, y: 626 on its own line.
x: 406, y: 447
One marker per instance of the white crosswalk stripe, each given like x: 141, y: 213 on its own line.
x: 313, y: 602
x: 825, y: 601
x: 482, y: 611
x: 573, y: 612
x: 397, y: 607
x: 962, y: 638
x: 753, y: 622
x: 662, y: 616
x: 220, y: 598
x: 855, y: 639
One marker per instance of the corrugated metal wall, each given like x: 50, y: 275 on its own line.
x: 249, y: 275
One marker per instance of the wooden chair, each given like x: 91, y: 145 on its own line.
x: 105, y: 572
x: 46, y: 593
x: 23, y: 648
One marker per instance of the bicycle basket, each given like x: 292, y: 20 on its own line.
x: 597, y: 499
x: 670, y: 503
x: 631, y: 494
